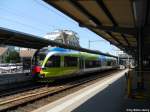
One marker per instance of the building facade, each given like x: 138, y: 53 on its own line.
x: 67, y: 37
x: 4, y: 52
x: 26, y: 55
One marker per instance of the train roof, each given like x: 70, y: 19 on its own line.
x: 69, y: 52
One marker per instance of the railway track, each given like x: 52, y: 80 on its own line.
x: 10, y: 102
x: 19, y: 89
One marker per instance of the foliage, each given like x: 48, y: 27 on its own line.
x: 13, y: 57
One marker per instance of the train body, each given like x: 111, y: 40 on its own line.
x: 55, y: 63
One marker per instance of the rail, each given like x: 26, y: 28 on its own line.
x: 9, y: 103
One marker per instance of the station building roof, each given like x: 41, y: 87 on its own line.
x: 26, y: 53
x: 117, y: 21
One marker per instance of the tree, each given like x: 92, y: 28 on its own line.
x: 13, y: 56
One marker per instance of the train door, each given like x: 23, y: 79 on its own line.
x: 70, y: 65
x: 81, y: 63
x: 52, y: 66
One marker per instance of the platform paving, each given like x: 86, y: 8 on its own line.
x: 103, y: 96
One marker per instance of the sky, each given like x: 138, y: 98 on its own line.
x: 38, y: 18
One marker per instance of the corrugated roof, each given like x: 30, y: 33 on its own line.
x: 118, y: 21
x: 115, y: 20
x: 26, y: 53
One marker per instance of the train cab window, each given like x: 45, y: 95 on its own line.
x: 53, y: 61
x: 41, y: 56
x: 70, y: 61
x: 38, y: 58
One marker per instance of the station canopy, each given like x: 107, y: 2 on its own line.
x: 121, y: 22
x: 118, y: 21
x: 20, y: 39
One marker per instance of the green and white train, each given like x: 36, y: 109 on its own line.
x: 55, y: 63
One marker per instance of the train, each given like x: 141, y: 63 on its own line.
x: 52, y: 63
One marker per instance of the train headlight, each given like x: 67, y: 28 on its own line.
x: 42, y: 75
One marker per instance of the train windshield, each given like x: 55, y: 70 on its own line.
x: 39, y: 57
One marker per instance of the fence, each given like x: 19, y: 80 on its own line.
x: 9, y: 68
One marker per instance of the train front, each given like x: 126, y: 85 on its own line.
x: 37, y: 62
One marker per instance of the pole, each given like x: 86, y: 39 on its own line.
x: 89, y: 44
x: 140, y: 83
x: 128, y: 62
x: 129, y: 84
x: 118, y: 60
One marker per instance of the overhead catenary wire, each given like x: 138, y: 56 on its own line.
x: 27, y: 25
x: 43, y: 4
x: 10, y: 11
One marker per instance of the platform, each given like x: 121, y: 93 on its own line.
x: 138, y: 99
x: 99, y: 96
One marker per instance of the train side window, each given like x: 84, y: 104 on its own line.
x: 109, y: 62
x: 53, y: 61
x: 70, y: 61
x: 92, y: 63
x: 98, y: 63
x: 88, y: 64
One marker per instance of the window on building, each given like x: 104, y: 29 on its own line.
x: 59, y: 40
x: 53, y: 61
x: 70, y: 61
